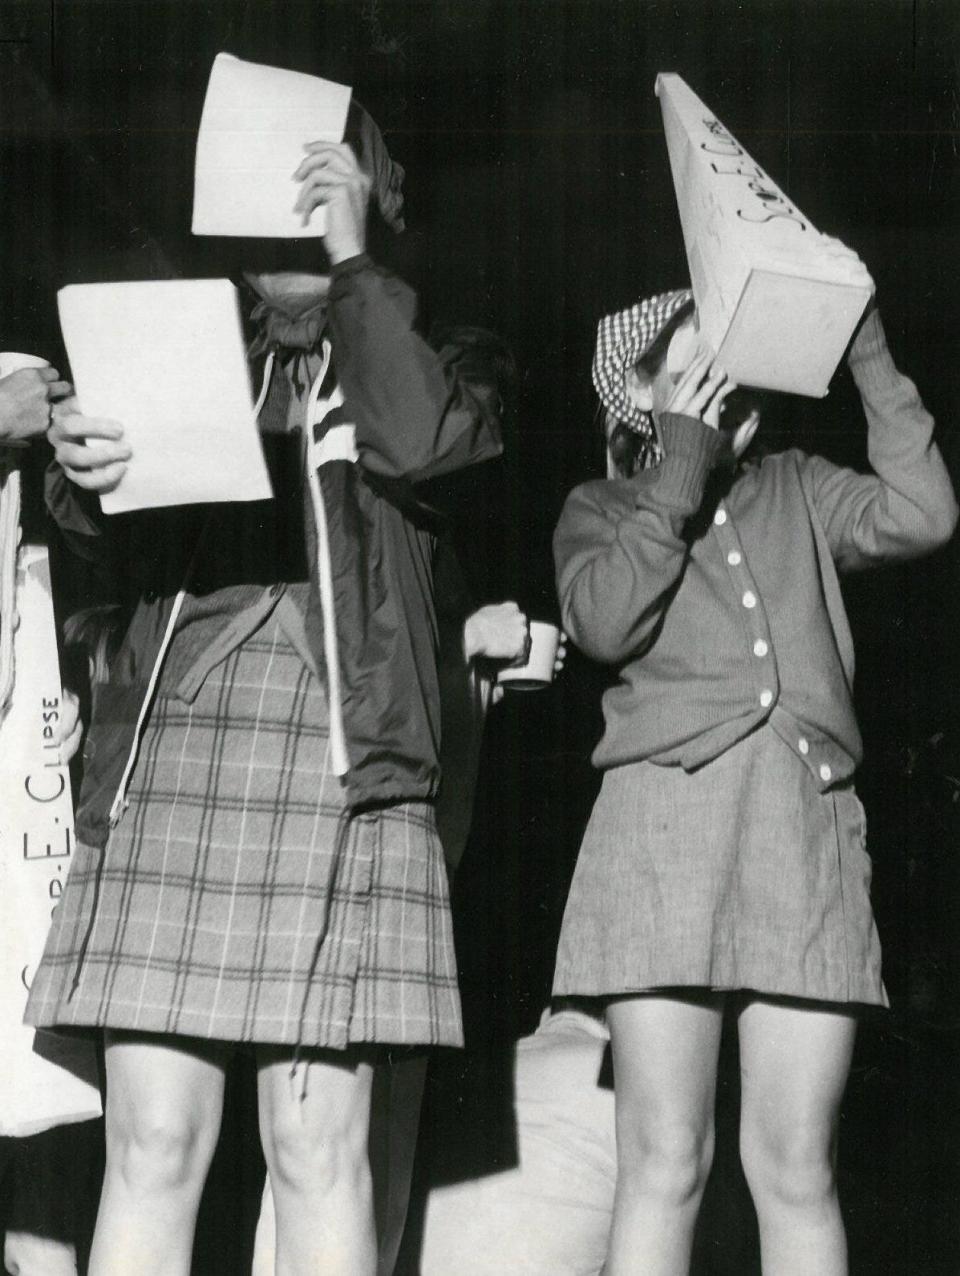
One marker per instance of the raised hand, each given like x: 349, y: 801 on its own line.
x: 701, y: 390
x: 851, y: 262
x: 332, y: 177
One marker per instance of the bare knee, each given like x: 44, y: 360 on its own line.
x: 670, y: 1162
x: 328, y: 1155
x: 792, y: 1167
x: 156, y: 1149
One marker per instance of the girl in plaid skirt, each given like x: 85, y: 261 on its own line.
x: 724, y: 861
x: 259, y: 861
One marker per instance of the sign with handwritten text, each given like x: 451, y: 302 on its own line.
x: 45, y: 1080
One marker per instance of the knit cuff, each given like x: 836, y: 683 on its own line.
x: 690, y: 451
x: 350, y: 266
x: 869, y: 358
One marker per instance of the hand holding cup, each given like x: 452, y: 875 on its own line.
x: 543, y: 662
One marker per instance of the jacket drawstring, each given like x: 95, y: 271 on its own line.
x: 88, y: 933
x: 324, y: 396
x: 317, y: 409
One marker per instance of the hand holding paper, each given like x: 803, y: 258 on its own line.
x: 92, y: 453
x: 256, y: 123
x: 162, y: 379
x: 334, y: 181
x: 845, y: 258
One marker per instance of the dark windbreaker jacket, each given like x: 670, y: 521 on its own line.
x: 415, y: 415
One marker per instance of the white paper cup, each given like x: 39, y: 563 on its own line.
x: 538, y: 670
x: 13, y: 361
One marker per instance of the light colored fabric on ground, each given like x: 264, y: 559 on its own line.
x: 27, y: 1255
x: 546, y: 1210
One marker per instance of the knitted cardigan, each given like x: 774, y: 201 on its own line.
x: 717, y: 592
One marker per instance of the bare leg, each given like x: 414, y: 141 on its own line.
x: 164, y: 1102
x: 314, y: 1124
x: 394, y: 1124
x: 394, y: 1118
x: 665, y: 1064
x: 794, y: 1063
x: 265, y: 1241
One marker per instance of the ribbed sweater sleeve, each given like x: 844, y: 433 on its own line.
x: 618, y: 561
x: 906, y: 507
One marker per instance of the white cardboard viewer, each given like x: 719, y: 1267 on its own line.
x: 774, y: 299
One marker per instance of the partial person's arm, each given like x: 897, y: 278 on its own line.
x: 25, y: 399
x: 496, y: 631
x: 907, y: 506
x: 419, y: 414
x: 617, y: 564
x: 68, y: 731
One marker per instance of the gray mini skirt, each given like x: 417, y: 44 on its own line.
x: 741, y: 875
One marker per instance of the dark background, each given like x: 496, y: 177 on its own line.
x: 539, y: 197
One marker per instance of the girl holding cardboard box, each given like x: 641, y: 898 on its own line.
x: 725, y: 860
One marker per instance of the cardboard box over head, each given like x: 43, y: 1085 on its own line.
x: 775, y: 299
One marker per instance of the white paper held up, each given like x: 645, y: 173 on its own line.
x: 775, y: 299
x: 256, y: 121
x: 166, y: 359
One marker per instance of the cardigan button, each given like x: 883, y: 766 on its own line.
x: 803, y: 744
x: 825, y: 773
x: 720, y: 517
x: 749, y: 600
x: 766, y: 698
x: 760, y: 647
x: 734, y: 558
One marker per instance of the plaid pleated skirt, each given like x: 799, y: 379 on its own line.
x: 236, y: 901
x: 741, y: 875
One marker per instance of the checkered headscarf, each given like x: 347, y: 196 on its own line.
x: 623, y: 339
